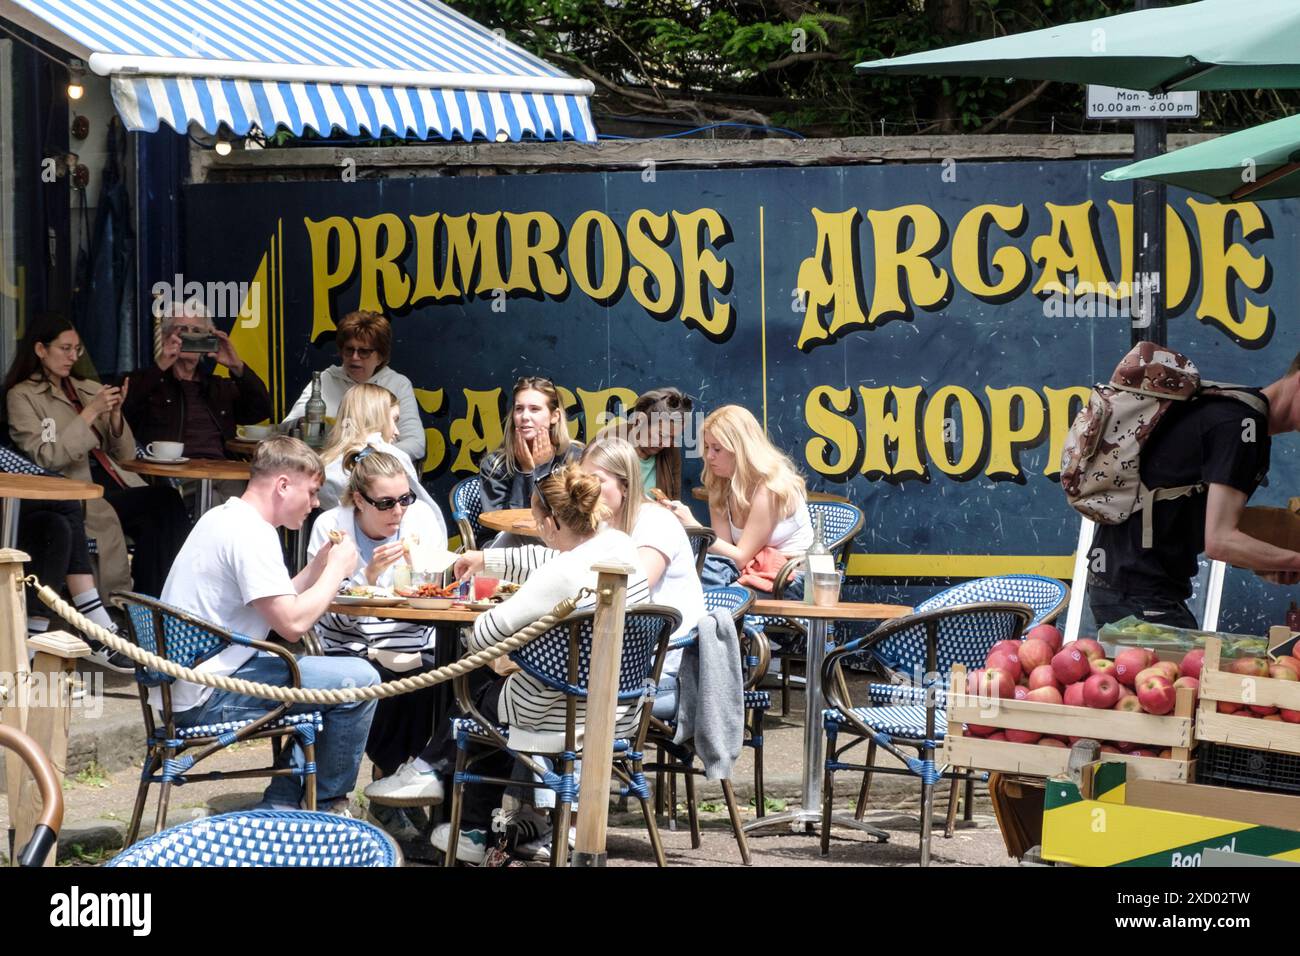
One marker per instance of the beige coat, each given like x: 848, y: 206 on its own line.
x: 48, y: 430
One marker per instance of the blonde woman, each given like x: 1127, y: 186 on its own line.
x: 379, y: 512
x: 758, y: 503
x: 368, y: 415
x: 535, y: 441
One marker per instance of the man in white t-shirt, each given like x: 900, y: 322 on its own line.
x: 231, y: 572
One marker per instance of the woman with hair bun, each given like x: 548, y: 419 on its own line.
x: 570, y: 518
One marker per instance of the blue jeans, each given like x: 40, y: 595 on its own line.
x: 339, y: 747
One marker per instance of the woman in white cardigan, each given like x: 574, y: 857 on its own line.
x: 365, y: 343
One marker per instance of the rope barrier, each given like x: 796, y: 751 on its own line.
x: 305, y: 695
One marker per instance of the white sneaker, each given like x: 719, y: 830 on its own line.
x: 408, y: 787
x: 535, y: 835
x: 110, y: 660
x: 470, y: 848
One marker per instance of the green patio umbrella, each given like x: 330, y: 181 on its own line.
x: 1257, y: 163
x: 1209, y: 45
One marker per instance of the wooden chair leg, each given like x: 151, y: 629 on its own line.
x: 927, y: 820
x: 861, y: 808
x: 656, y: 844
x: 151, y: 764
x: 968, y: 798
x: 756, y: 735
x: 659, y: 783
x: 828, y: 800
x: 164, y: 795
x: 733, y: 811
x: 560, y: 852
x: 785, y: 686
x: 457, y: 801
x: 692, y: 811
x: 309, y: 780
x: 672, y: 799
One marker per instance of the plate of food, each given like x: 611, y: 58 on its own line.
x: 367, y: 594
x: 429, y: 596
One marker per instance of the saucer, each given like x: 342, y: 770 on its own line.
x: 164, y: 461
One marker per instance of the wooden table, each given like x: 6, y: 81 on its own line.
x: 512, y: 520
x: 814, y: 743
x: 17, y: 488
x: 244, y: 447
x: 205, y: 470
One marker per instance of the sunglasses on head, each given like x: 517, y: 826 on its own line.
x: 672, y: 401
x: 388, y: 504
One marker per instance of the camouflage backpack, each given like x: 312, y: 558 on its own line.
x: 1100, y: 463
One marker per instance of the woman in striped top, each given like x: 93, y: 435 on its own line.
x: 378, y: 512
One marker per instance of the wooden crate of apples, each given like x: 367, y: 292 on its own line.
x: 1035, y: 697
x: 1249, y: 701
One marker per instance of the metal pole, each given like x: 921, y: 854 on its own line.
x: 1148, y: 230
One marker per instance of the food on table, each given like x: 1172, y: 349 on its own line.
x: 367, y: 591
x: 335, y: 535
x: 429, y: 590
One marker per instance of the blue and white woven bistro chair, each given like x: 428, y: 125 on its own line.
x: 841, y: 522
x: 906, y: 717
x: 466, y: 506
x: 561, y: 660
x: 272, y: 838
x: 700, y: 538
x: 673, y: 758
x: 172, y: 752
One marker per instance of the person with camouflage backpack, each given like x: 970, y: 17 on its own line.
x: 1165, y: 463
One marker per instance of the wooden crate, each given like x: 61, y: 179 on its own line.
x: 1219, y: 685
x: 1175, y: 731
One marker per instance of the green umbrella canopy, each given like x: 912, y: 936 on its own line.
x: 1209, y: 45
x: 1257, y: 163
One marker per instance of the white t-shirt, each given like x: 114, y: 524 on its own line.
x: 231, y: 559
x: 656, y: 527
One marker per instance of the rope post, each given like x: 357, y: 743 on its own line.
x: 49, y: 718
x: 14, y: 671
x: 602, y: 701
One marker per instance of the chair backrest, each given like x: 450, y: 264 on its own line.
x: 466, y: 505
x: 280, y: 838
x: 1047, y: 596
x: 733, y: 598
x: 170, y: 633
x: 12, y: 463
x: 700, y: 538
x: 646, y: 629
x: 965, y: 638
x: 841, y: 522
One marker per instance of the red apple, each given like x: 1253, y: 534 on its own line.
x: 1045, y: 695
x: 1023, y: 736
x: 1142, y: 752
x: 1282, y: 672
x: 979, y: 730
x: 1001, y: 660
x: 1271, y: 717
x: 1020, y: 693
x: 998, y: 736
x: 1091, y: 648
x: 1156, y: 695
x: 1166, y: 754
x: 1125, y: 692
x: 1109, y: 749
x: 1100, y: 691
x: 1103, y: 666
x: 1051, y: 742
x: 1262, y: 710
x: 1286, y: 660
x: 1073, y: 696
x: 1290, y: 716
x: 1249, y: 667
x: 1005, y: 647
x: 1070, y: 664
x: 1129, y: 705
x: 1191, y: 682
x: 1048, y: 634
x: 1035, y: 653
x: 1228, y: 707
x: 1044, y: 676
x: 1192, y: 663
x: 1169, y: 669
x: 1129, y: 663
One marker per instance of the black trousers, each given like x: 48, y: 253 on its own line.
x: 1110, y: 605
x: 53, y: 533
x: 401, y: 726
x: 479, y: 800
x: 154, y: 518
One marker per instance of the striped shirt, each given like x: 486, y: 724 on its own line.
x: 526, y: 702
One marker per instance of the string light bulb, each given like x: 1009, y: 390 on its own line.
x: 223, y: 145
x: 76, y: 80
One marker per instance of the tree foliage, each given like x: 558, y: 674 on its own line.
x: 789, y: 63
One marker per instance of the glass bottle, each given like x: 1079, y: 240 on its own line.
x: 314, y: 430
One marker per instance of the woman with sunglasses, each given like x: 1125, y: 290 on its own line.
x: 535, y: 440
x: 76, y: 427
x: 655, y: 427
x: 571, y: 520
x: 368, y: 415
x: 379, y: 512
x: 365, y: 345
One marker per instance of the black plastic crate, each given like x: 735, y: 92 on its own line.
x: 1223, y: 765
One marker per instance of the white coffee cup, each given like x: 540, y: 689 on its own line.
x: 165, y: 450
x: 254, y: 432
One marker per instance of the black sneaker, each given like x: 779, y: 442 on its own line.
x: 114, y: 661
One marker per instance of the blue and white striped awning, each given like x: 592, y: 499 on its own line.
x: 414, y: 68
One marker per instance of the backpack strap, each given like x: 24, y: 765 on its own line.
x: 1237, y: 393
x: 1149, y: 496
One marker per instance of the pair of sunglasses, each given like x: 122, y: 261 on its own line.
x: 388, y: 504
